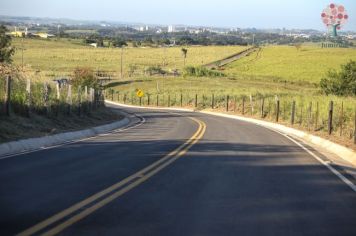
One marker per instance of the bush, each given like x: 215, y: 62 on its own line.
x: 83, y: 76
x: 200, y: 71
x: 154, y: 70
x: 341, y: 83
x: 6, y: 51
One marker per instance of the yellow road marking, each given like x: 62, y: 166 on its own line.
x: 141, y: 175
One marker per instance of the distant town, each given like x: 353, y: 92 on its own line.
x: 143, y: 34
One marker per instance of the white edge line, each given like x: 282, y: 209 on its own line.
x: 325, y: 163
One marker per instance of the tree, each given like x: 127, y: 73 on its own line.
x: 84, y: 76
x: 184, y: 52
x: 119, y: 42
x: 6, y: 51
x: 341, y: 83
x: 186, y: 40
x: 298, y: 46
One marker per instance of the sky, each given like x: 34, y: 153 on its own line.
x: 297, y: 14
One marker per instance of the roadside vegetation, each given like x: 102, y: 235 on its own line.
x: 341, y: 83
x: 200, y: 71
x: 31, y: 107
x: 175, y: 76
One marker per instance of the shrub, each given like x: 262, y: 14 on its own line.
x: 6, y: 51
x: 83, y: 76
x: 342, y: 83
x: 200, y: 71
x: 154, y: 70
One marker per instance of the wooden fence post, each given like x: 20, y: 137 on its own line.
x: 243, y: 105
x: 46, y: 97
x: 316, y: 116
x: 301, y: 115
x: 86, y: 98
x: 212, y: 101
x: 148, y: 99
x: 91, y: 95
x: 69, y: 99
x: 169, y: 100
x: 292, y: 118
x: 196, y: 100
x: 355, y: 128
x: 157, y: 100
x: 277, y: 110
x: 251, y: 104
x: 341, y: 118
x: 7, y: 96
x: 124, y: 98
x: 79, y: 101
x: 262, y: 107
x: 112, y: 95
x: 181, y: 100
x: 118, y: 96
x: 140, y: 101
x: 310, y: 115
x: 28, y: 97
x: 330, y: 118
x: 95, y: 98
x: 58, y: 91
x: 227, y: 103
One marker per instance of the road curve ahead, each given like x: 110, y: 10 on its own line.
x: 175, y: 173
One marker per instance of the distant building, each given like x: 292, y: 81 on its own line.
x: 171, y: 29
x: 351, y: 36
x: 95, y: 45
x: 19, y: 34
x: 44, y: 35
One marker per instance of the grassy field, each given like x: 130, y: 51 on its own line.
x: 56, y: 58
x: 272, y: 63
x: 275, y: 72
x: 281, y: 63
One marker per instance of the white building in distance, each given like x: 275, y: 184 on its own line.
x: 171, y: 29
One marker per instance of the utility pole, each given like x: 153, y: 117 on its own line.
x: 122, y: 52
x: 22, y: 48
x: 58, y: 26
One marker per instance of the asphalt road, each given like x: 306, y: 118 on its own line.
x: 169, y: 174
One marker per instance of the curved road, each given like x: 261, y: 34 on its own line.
x: 175, y: 173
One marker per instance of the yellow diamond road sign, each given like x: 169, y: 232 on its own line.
x: 139, y: 93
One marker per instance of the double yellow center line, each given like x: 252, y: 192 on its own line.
x: 84, y: 208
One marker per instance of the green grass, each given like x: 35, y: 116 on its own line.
x: 281, y: 63
x: 61, y: 57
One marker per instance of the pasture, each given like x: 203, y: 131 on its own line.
x: 61, y: 57
x: 280, y: 63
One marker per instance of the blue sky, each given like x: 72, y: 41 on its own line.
x: 227, y: 13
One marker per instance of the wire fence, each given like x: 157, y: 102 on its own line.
x: 24, y: 98
x: 328, y: 117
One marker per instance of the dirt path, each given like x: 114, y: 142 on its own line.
x: 230, y: 59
